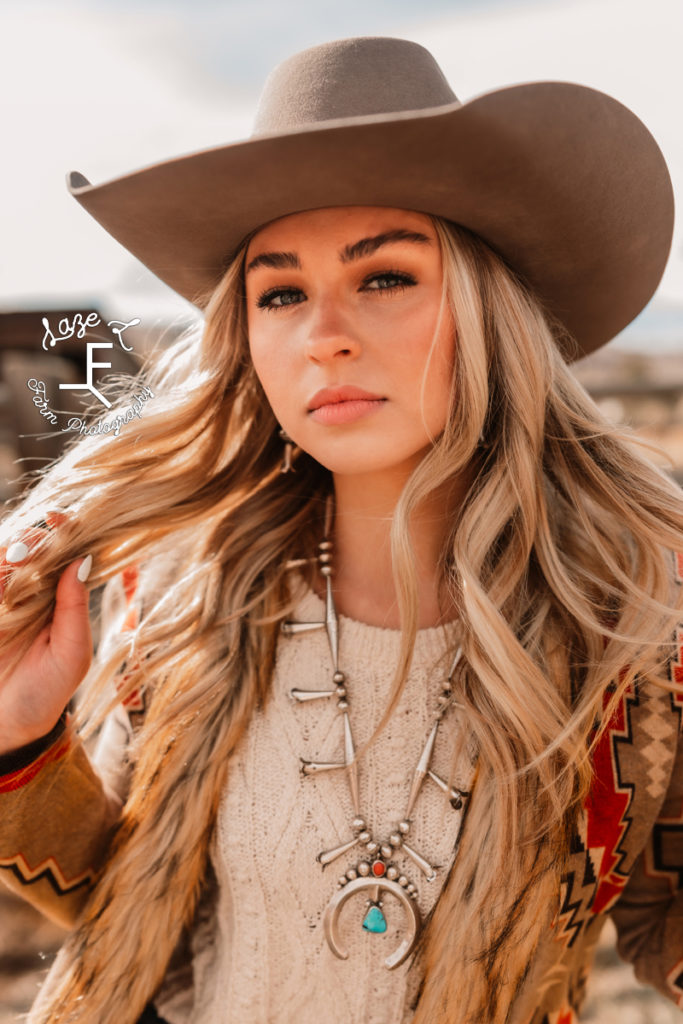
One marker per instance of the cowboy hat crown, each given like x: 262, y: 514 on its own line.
x: 564, y: 182
x: 349, y: 79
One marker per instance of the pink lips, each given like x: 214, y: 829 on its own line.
x: 342, y: 404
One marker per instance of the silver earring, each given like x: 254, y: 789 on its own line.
x: 286, y: 466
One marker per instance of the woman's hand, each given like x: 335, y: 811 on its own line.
x: 34, y: 695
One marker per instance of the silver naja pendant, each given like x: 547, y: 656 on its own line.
x: 373, y: 886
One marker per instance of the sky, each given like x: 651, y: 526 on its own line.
x: 108, y: 86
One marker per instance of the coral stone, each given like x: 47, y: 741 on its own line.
x: 379, y: 868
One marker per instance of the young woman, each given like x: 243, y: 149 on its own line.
x: 392, y: 611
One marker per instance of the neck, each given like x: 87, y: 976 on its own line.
x: 363, y: 583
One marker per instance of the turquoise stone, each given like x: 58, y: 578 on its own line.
x: 374, y: 920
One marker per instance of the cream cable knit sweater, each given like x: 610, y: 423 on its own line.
x: 262, y: 955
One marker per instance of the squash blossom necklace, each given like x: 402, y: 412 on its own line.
x: 377, y: 872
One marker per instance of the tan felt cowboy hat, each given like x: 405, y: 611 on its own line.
x: 564, y: 182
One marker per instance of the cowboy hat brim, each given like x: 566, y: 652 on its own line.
x: 564, y: 182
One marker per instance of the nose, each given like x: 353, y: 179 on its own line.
x: 331, y: 334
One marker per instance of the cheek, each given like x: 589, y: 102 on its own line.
x: 266, y: 358
x: 275, y: 376
x: 439, y: 382
x: 435, y: 356
x: 444, y: 354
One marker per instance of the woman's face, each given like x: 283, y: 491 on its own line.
x: 342, y: 309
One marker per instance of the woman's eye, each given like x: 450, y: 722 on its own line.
x: 277, y: 298
x: 388, y: 281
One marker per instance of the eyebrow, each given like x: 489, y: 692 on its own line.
x: 277, y: 260
x: 366, y: 246
x: 355, y: 251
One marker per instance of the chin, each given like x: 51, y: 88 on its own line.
x: 351, y: 459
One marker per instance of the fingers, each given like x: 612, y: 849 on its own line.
x: 84, y: 568
x: 17, y: 552
x: 70, y: 632
x: 68, y: 635
x: 71, y: 593
x: 24, y: 544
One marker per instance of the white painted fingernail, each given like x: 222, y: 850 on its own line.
x: 84, y: 569
x: 16, y: 552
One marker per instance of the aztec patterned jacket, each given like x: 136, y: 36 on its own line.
x: 57, y: 815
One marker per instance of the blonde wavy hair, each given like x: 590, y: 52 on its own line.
x: 559, y: 560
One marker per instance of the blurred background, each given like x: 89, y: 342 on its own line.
x: 107, y: 86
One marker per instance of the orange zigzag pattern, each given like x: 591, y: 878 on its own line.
x: 48, y: 869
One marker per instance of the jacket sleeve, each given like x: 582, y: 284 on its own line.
x: 56, y: 819
x: 649, y: 914
x: 59, y: 809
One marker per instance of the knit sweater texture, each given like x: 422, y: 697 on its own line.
x: 263, y: 955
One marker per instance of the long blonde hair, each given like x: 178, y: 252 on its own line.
x: 559, y: 560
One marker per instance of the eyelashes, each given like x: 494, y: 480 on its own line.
x: 287, y: 296
x: 387, y: 282
x: 393, y: 280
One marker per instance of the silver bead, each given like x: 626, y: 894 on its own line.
x: 351, y: 874
x: 338, y: 677
x: 395, y: 839
x: 372, y: 846
x: 413, y: 895
x: 364, y: 837
x: 363, y: 869
x: 444, y: 698
x: 386, y: 851
x: 411, y: 887
x: 403, y: 881
x: 341, y: 691
x: 404, y: 827
x: 392, y: 873
x: 325, y: 558
x: 326, y: 570
x: 358, y: 823
x: 343, y: 880
x: 325, y: 545
x: 342, y: 704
